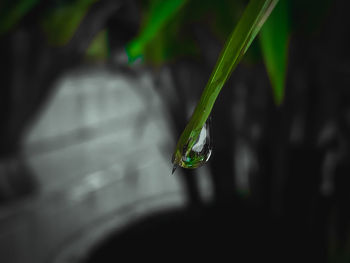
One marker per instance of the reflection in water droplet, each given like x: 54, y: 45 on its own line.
x: 201, y: 150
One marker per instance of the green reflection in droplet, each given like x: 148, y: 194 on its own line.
x: 200, y: 152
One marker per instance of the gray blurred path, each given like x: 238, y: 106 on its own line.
x: 96, y: 152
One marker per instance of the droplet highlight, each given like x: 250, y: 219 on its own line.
x: 201, y: 150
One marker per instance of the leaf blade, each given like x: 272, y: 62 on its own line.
x: 242, y: 36
x: 274, y: 45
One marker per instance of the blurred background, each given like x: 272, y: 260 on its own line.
x: 94, y: 95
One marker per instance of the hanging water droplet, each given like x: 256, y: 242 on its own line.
x: 200, y: 152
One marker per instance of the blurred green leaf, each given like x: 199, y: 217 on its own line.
x: 11, y: 12
x: 62, y: 21
x: 253, y: 18
x: 171, y: 42
x: 274, y: 45
x: 161, y: 12
x: 98, y: 49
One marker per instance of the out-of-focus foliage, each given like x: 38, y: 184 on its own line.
x: 274, y: 44
x: 62, y: 20
x: 152, y: 35
x: 167, y: 28
x: 11, y: 12
x: 166, y: 32
x: 59, y: 19
x: 98, y: 49
x: 166, y: 35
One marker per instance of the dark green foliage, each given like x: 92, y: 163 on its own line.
x: 11, y: 12
x: 274, y: 45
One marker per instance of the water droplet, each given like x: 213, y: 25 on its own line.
x: 201, y: 150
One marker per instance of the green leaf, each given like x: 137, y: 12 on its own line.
x: 98, y: 49
x: 242, y: 36
x: 274, y: 46
x: 160, y: 14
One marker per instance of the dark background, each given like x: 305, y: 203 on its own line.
x: 86, y: 142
